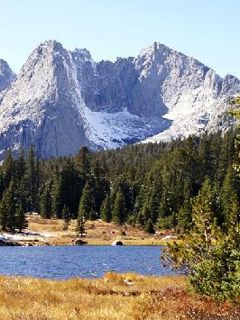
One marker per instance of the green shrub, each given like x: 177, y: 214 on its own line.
x: 218, y: 274
x: 210, y: 257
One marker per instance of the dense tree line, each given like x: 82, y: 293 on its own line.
x: 149, y: 185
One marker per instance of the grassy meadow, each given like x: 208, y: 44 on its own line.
x: 114, y: 297
x: 98, y: 233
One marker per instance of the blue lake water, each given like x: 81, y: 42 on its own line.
x: 63, y: 262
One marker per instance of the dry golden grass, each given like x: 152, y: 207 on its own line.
x: 115, y: 297
x: 98, y: 232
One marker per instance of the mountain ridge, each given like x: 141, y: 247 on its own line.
x: 63, y: 99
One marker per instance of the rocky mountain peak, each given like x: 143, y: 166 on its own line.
x: 44, y: 54
x: 63, y: 99
x: 156, y: 48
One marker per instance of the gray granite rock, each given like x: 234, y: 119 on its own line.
x: 6, y: 75
x: 63, y: 99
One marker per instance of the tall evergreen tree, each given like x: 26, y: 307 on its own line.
x: 229, y: 201
x: 21, y: 222
x: 71, y: 185
x: 8, y: 209
x: 66, y: 217
x: 81, y: 229
x: 8, y: 169
x: 82, y: 163
x: 184, y: 216
x: 30, y: 181
x: 203, y: 219
x: 46, y: 201
x: 106, y: 209
x: 119, y: 210
x: 20, y: 165
x: 57, y: 198
x: 87, y: 202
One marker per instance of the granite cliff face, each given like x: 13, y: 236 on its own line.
x: 62, y: 100
x: 6, y: 75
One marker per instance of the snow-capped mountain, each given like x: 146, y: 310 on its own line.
x: 62, y: 100
x: 6, y: 75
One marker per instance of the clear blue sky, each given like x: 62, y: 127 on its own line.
x: 209, y: 30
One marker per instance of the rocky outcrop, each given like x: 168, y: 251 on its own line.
x: 62, y: 100
x: 6, y: 75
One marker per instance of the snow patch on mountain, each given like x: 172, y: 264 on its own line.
x: 112, y: 130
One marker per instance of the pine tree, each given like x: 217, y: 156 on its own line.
x: 66, y: 217
x: 30, y: 181
x: 144, y: 215
x: 106, y: 210
x: 87, y: 202
x: 20, y: 165
x: 82, y: 163
x: 100, y: 185
x: 21, y: 222
x: 57, y: 199
x: 71, y: 186
x: 233, y: 219
x: 154, y: 200
x: 119, y: 209
x: 46, y: 201
x: 139, y: 209
x: 8, y: 209
x: 149, y: 227
x: 166, y: 200
x: 8, y: 169
x: 81, y: 229
x: 229, y: 201
x: 204, y: 224
x: 1, y: 184
x: 184, y: 215
x: 198, y: 241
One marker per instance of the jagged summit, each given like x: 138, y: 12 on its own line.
x: 63, y: 99
x: 84, y: 54
x: 53, y: 45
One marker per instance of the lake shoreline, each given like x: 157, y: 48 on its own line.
x: 50, y: 232
x: 95, y: 242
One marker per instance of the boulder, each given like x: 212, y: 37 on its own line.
x: 117, y: 243
x: 79, y: 242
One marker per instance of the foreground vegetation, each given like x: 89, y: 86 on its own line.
x: 115, y: 297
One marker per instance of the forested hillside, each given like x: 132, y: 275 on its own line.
x: 150, y: 186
